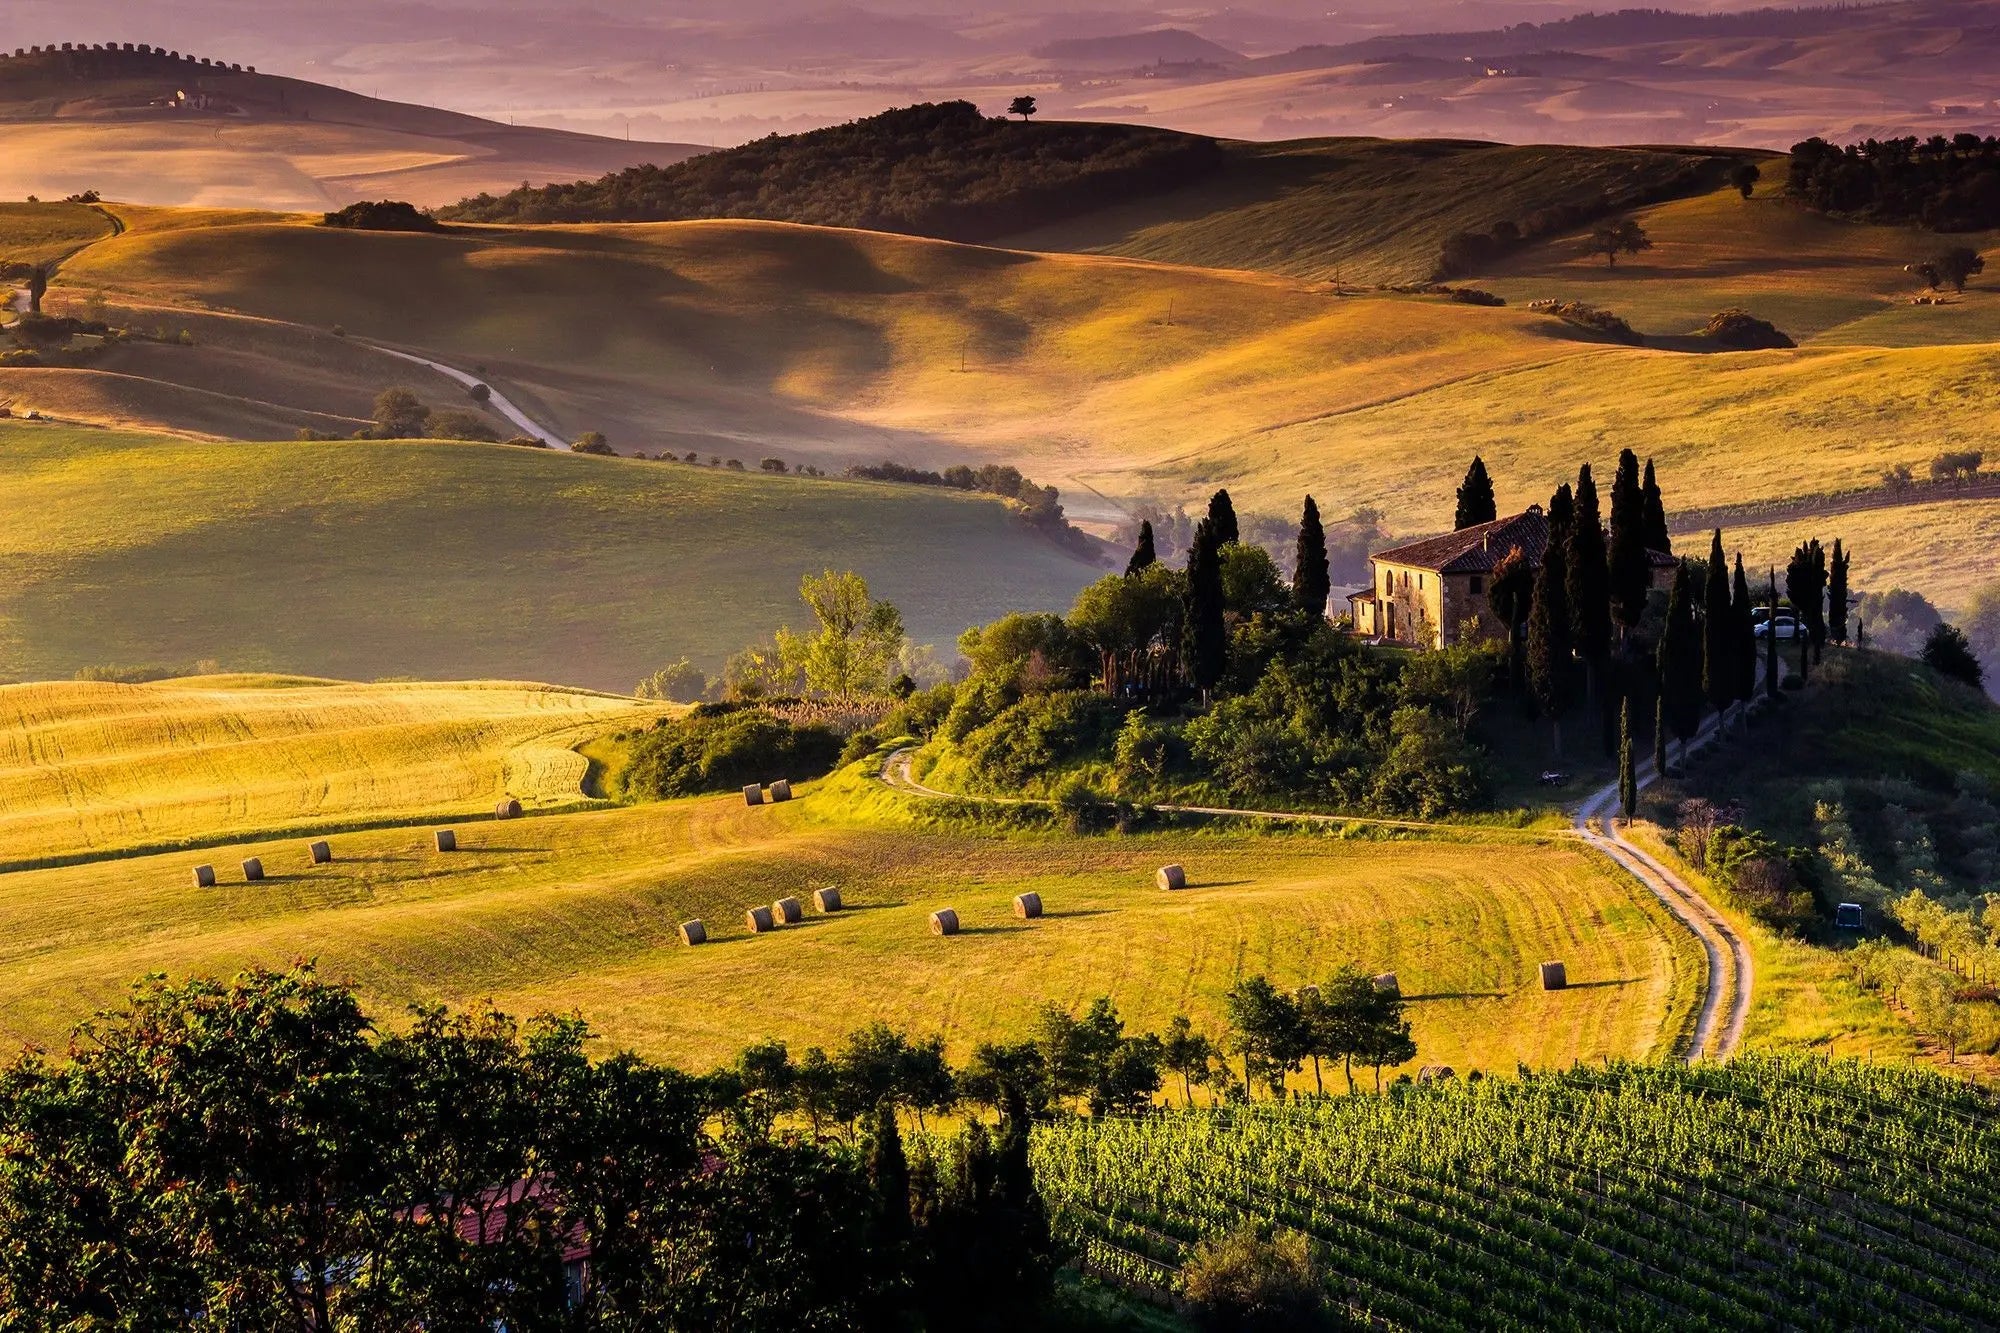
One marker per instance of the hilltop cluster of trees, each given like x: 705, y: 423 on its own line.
x: 1943, y: 184
x: 1041, y: 506
x: 1349, y: 541
x: 937, y: 169
x: 381, y: 215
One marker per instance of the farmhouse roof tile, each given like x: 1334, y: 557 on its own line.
x: 1475, y: 550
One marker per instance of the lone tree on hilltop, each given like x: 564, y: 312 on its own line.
x: 1022, y: 106
x: 1745, y: 177
x: 1951, y: 267
x: 1143, y: 553
x: 399, y: 415
x: 1312, y: 578
x: 1619, y: 236
x: 1475, y: 498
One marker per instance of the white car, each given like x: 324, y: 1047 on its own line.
x: 1784, y: 626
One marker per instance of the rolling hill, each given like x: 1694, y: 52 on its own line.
x: 147, y: 126
x: 446, y: 561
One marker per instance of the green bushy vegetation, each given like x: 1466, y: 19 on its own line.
x: 723, y: 747
x: 382, y: 215
x: 937, y: 169
x: 1943, y: 184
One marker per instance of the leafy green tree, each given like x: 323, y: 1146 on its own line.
x: 1268, y: 1030
x: 593, y: 442
x: 1951, y: 267
x: 1188, y: 1054
x: 1142, y: 554
x: 1551, y: 664
x: 1719, y: 651
x: 1222, y: 517
x: 1476, y: 504
x: 1619, y: 236
x: 1251, y: 583
x: 1949, y: 653
x: 1628, y: 779
x: 1312, y: 578
x: 1205, y: 636
x: 858, y: 640
x: 1133, y: 624
x: 1022, y: 106
x: 1244, y: 1283
x: 1655, y: 523
x: 399, y: 415
x: 1744, y: 176
x: 1510, y: 594
x: 1631, y: 572
x: 889, y: 1178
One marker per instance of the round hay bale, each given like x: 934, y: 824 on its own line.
x: 944, y: 921
x: 1387, y: 982
x: 1028, y: 906
x: 321, y: 852
x: 204, y: 877
x: 753, y: 795
x: 1433, y: 1073
x: 781, y: 790
x: 788, y: 911
x: 827, y: 899
x: 447, y: 840
x: 1171, y: 878
x: 693, y: 933
x: 758, y: 920
x: 509, y: 808
x: 253, y: 870
x: 1554, y: 977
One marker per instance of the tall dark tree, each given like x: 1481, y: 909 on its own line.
x: 1948, y: 652
x: 1820, y: 580
x: 1588, y: 580
x: 1680, y: 661
x: 1143, y: 553
x: 1510, y: 592
x: 1805, y: 585
x: 1837, y: 593
x: 1561, y: 515
x: 1771, y: 641
x: 1631, y: 572
x: 1222, y: 515
x: 1655, y: 523
x: 1743, y: 630
x: 889, y: 1175
x: 1475, y: 498
x: 1718, y: 632
x: 1660, y: 738
x: 1312, y: 578
x: 1205, y: 638
x: 1628, y: 776
x: 1551, y: 665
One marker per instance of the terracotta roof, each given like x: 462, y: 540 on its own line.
x: 1475, y: 550
x: 1662, y: 560
x: 1365, y: 595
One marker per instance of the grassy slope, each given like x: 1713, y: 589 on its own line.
x: 41, y: 233
x: 91, y: 767
x: 1360, y: 210
x: 579, y: 911
x: 1945, y: 550
x: 453, y: 561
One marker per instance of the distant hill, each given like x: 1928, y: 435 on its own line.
x: 145, y: 125
x: 939, y: 169
x: 1167, y: 45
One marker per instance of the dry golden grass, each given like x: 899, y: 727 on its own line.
x: 45, y: 233
x: 97, y: 767
x: 1946, y: 551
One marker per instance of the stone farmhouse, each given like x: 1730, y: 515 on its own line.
x: 1433, y: 592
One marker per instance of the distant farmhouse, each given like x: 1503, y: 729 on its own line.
x: 1433, y: 592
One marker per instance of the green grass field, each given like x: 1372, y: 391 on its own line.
x: 447, y: 561
x: 89, y: 768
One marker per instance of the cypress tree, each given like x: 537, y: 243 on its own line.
x: 1205, y: 639
x: 1718, y: 632
x: 1510, y: 592
x: 1142, y: 554
x: 1222, y: 516
x: 1805, y: 657
x: 1660, y: 738
x: 1628, y: 778
x: 1561, y: 515
x: 889, y: 1174
x: 1836, y: 594
x: 1743, y: 629
x: 1771, y: 642
x: 1805, y: 585
x: 1312, y: 580
x: 1631, y: 573
x: 1655, y: 523
x: 1588, y: 582
x: 1549, y: 650
x: 1475, y: 498
x: 1680, y: 661
x: 1820, y: 579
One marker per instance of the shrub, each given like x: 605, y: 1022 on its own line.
x: 1039, y: 735
x: 593, y: 442
x: 724, y: 747
x: 479, y: 393
x: 458, y: 424
x: 1475, y: 296
x: 1430, y: 771
x: 1744, y: 332
x: 681, y: 682
x: 1244, y: 1283
x: 383, y: 215
x: 1585, y: 316
x: 526, y: 443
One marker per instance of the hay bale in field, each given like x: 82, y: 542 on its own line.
x: 1028, y: 906
x: 321, y: 852
x: 253, y: 870
x: 509, y: 808
x: 1387, y: 982
x: 1433, y: 1073
x: 693, y: 933
x: 1171, y: 878
x: 827, y: 899
x: 944, y: 921
x: 447, y: 840
x: 1554, y: 977
x: 204, y: 877
x: 788, y: 911
x: 758, y: 920
x: 753, y: 795
x: 781, y: 790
